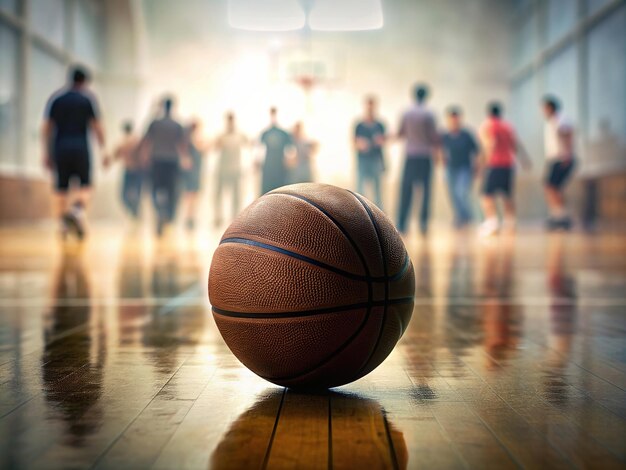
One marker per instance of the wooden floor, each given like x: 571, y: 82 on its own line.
x: 109, y: 358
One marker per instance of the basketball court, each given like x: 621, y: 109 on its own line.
x: 113, y: 356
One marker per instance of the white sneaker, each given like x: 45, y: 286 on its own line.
x: 489, y: 227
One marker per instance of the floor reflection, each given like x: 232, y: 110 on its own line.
x: 501, y: 315
x: 563, y: 319
x: 73, y: 347
x: 360, y: 434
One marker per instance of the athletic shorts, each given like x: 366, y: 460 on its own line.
x: 498, y: 180
x: 558, y: 172
x: 72, y: 164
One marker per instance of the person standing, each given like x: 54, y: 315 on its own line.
x: 229, y: 144
x: 192, y: 176
x: 128, y: 152
x: 501, y: 148
x: 300, y: 170
x: 559, y: 151
x: 165, y: 147
x: 419, y: 128
x: 69, y: 116
x: 460, y: 151
x: 369, y: 139
x: 277, y: 143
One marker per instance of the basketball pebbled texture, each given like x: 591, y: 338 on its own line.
x: 311, y: 286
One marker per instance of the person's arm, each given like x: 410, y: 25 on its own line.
x: 566, y: 135
x: 145, y: 147
x: 46, y: 137
x: 183, y: 150
x: 474, y: 153
x: 360, y: 142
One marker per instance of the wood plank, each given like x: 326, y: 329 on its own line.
x: 301, y: 439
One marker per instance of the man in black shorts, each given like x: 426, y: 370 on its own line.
x: 559, y: 150
x: 70, y: 114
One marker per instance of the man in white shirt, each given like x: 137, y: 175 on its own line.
x: 559, y: 150
x: 229, y: 145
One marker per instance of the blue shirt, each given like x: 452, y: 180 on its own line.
x: 460, y: 148
x: 369, y: 131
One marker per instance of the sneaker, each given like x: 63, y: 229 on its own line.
x: 75, y: 225
x: 488, y: 228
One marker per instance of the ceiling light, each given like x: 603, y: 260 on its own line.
x: 266, y: 15
x: 346, y: 15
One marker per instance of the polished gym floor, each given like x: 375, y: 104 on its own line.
x: 109, y: 358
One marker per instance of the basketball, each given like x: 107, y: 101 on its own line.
x: 311, y: 286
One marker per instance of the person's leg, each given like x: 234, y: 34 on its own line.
x: 172, y: 186
x: 425, y: 176
x: 126, y: 191
x: 234, y: 184
x: 452, y: 175
x: 360, y: 176
x: 463, y: 194
x: 406, y: 193
x: 158, y: 194
x: 509, y: 200
x: 488, y: 203
x: 378, y: 197
x: 191, y: 199
x: 217, y: 198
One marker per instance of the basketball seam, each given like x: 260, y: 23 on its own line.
x: 384, y: 260
x: 312, y: 312
x: 314, y: 262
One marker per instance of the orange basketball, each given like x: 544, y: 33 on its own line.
x: 311, y: 286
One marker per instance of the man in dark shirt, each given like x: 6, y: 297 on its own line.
x: 165, y: 147
x: 460, y: 151
x: 369, y: 138
x: 277, y: 143
x: 70, y: 114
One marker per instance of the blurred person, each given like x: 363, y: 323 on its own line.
x: 128, y: 152
x: 69, y: 116
x: 192, y: 176
x: 229, y: 144
x: 369, y: 139
x: 300, y: 170
x: 559, y: 152
x: 419, y: 128
x: 165, y: 147
x: 460, y: 151
x: 278, y: 144
x: 500, y: 147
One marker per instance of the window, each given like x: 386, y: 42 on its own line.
x: 561, y: 18
x: 526, y: 116
x: 48, y: 19
x: 9, y: 5
x: 88, y: 31
x: 606, y: 92
x: 8, y: 96
x: 525, y: 43
x: 46, y: 76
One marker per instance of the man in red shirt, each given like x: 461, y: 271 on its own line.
x: 500, y: 149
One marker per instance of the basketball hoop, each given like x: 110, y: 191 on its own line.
x: 306, y: 82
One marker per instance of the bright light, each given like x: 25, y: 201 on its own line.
x: 346, y: 15
x: 266, y: 15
